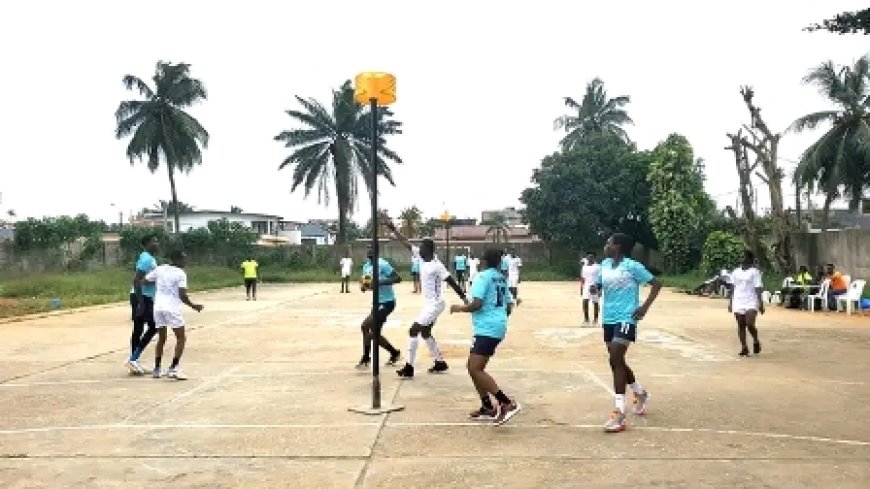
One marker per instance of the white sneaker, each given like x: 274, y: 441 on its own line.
x: 157, y: 373
x: 142, y: 370
x: 175, y: 373
x: 134, y: 367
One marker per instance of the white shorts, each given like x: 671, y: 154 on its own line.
x: 172, y: 319
x: 430, y: 313
x: 744, y: 307
x: 345, y: 275
x: 588, y: 295
x: 513, y: 280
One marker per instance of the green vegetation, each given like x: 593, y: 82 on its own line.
x: 689, y: 281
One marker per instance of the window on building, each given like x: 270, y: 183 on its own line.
x: 865, y: 206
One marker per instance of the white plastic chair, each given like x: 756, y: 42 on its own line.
x: 853, y: 296
x: 823, y: 295
x: 787, y: 282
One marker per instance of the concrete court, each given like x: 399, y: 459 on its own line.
x: 271, y: 381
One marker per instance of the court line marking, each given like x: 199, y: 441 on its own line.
x: 388, y: 424
x: 584, y: 371
x: 190, y: 329
x: 596, y: 379
x: 181, y: 395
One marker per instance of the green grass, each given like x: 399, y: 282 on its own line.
x: 33, y: 293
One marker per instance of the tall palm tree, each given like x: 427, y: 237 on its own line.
x: 838, y: 163
x: 412, y: 221
x: 497, y: 227
x: 159, y: 125
x: 594, y: 114
x: 333, y: 149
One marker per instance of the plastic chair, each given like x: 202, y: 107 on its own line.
x: 823, y: 295
x: 853, y: 296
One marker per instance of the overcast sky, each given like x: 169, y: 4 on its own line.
x: 479, y: 84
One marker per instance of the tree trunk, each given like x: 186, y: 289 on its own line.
x: 744, y: 173
x: 171, y: 171
x: 342, y: 224
x: 829, y: 198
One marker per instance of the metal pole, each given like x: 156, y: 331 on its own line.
x: 376, y: 330
x: 447, y: 230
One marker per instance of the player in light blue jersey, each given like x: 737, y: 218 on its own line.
x: 387, y: 276
x: 620, y: 278
x: 491, y: 304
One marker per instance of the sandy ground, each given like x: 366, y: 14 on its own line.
x: 271, y: 382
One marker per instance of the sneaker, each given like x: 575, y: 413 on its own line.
x: 616, y: 423
x: 175, y: 373
x: 640, y: 401
x: 438, y: 367
x: 144, y: 370
x: 585, y: 324
x: 363, y: 363
x: 506, y: 412
x: 744, y: 352
x: 483, y: 414
x: 134, y: 367
x: 157, y: 373
x: 406, y: 372
x: 756, y: 348
x: 394, y: 358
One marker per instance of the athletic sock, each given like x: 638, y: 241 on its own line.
x: 501, y: 398
x: 136, y: 354
x: 620, y: 403
x: 636, y: 388
x: 157, y: 363
x: 174, y: 362
x: 486, y: 402
x: 412, y: 350
x: 433, y: 349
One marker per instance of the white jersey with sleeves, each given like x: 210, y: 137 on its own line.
x: 745, y: 282
x: 432, y: 276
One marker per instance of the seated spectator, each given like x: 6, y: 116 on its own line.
x: 794, y: 295
x: 838, y: 286
x: 821, y: 274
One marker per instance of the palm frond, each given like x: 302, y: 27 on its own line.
x: 131, y: 81
x: 811, y: 121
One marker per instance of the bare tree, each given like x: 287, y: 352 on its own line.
x: 764, y: 145
x: 744, y: 172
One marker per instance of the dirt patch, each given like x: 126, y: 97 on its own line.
x: 10, y: 307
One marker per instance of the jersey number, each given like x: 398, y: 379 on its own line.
x: 624, y: 328
x: 501, y: 291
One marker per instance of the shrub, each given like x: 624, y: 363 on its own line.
x: 721, y: 250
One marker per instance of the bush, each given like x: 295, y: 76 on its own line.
x: 721, y: 250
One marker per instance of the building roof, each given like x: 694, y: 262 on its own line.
x: 153, y: 215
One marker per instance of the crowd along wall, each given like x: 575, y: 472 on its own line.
x: 847, y: 249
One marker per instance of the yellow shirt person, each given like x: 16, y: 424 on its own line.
x: 249, y: 267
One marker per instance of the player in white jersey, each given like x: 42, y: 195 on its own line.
x: 513, y: 275
x: 171, y: 285
x: 432, y: 274
x: 588, y: 274
x: 473, y: 267
x: 346, y: 264
x: 745, y: 302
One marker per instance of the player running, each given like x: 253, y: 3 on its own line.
x: 346, y: 264
x: 490, y: 307
x: 432, y: 274
x: 620, y: 278
x: 250, y: 269
x: 171, y: 285
x: 588, y: 274
x: 387, y: 276
x: 142, y: 304
x: 746, y: 301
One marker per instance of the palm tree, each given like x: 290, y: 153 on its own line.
x: 412, y: 221
x: 497, y: 226
x: 333, y: 149
x: 838, y: 163
x: 159, y: 125
x: 594, y: 114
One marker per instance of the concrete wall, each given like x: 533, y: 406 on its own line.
x: 847, y: 249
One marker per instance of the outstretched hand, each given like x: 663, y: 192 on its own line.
x: 455, y: 308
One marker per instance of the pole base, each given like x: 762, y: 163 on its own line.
x: 371, y: 411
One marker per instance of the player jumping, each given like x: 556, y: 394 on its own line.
x: 490, y: 307
x: 432, y: 274
x: 620, y: 278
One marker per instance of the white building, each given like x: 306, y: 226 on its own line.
x: 263, y: 224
